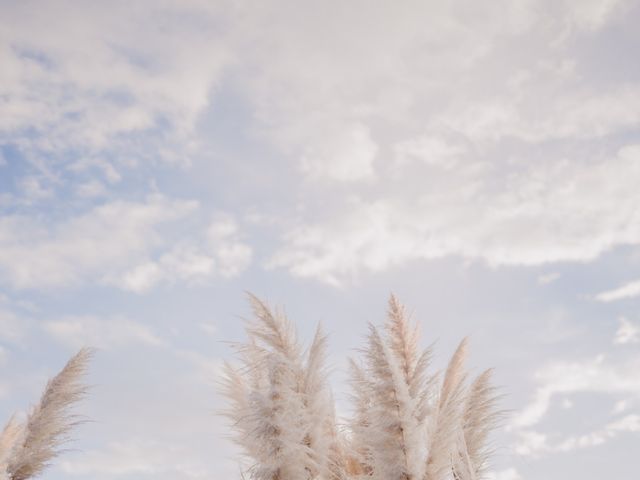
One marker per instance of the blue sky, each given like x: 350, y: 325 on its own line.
x: 482, y: 161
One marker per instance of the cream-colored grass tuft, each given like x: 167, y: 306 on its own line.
x: 282, y: 412
x: 27, y: 447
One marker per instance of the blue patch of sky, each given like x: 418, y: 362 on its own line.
x: 34, y: 55
x: 13, y: 168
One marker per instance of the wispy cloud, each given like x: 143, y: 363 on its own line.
x: 594, y: 375
x: 222, y: 252
x: 101, y: 79
x: 115, y: 243
x: 610, y: 377
x: 503, y: 214
x: 628, y: 332
x: 105, y: 333
x: 548, y: 278
x: 628, y: 290
x: 536, y: 444
x: 35, y: 253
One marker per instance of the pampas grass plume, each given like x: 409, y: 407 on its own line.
x: 27, y: 447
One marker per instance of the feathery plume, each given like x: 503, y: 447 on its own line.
x: 455, y: 373
x: 391, y: 401
x: 480, y: 418
x: 9, y: 439
x: 281, y: 408
x: 27, y: 448
x: 447, y: 423
x: 359, y: 456
x: 323, y: 438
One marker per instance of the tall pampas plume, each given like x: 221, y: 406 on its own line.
x: 448, y: 420
x: 27, y: 447
x: 392, y: 394
x: 480, y: 417
x: 281, y: 409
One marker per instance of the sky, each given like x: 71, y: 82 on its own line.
x: 481, y: 160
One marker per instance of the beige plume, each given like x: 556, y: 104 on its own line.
x: 27, y: 448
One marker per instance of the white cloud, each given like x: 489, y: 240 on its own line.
x: 621, y: 406
x: 91, y: 188
x: 441, y: 86
x: 577, y: 115
x: 436, y: 67
x: 504, y: 133
x: 94, y: 245
x: 601, y: 376
x: 126, y: 244
x: 105, y: 168
x: 591, y: 14
x: 105, y: 333
x: 141, y: 278
x: 627, y: 332
x: 504, y: 214
x: 221, y: 252
x: 356, y: 91
x: 547, y: 278
x: 534, y: 444
x: 100, y: 73
x: 345, y: 156
x: 229, y: 250
x: 431, y: 150
x: 590, y: 376
x: 630, y: 423
x: 33, y: 189
x: 628, y: 290
x: 179, y: 264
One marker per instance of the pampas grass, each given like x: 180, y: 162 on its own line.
x: 407, y: 424
x: 281, y: 408
x: 27, y: 447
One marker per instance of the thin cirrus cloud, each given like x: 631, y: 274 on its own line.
x: 570, y: 377
x: 222, y: 253
x: 610, y: 376
x: 37, y: 254
x: 76, y: 332
x: 628, y: 290
x: 40, y: 254
x: 536, y: 444
x: 76, y: 89
x: 628, y: 332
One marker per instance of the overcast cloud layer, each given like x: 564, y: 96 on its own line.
x: 482, y: 160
